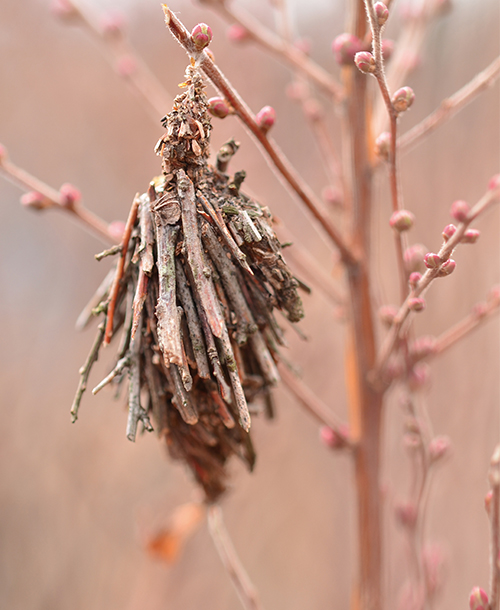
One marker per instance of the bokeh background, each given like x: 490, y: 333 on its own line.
x: 78, y: 501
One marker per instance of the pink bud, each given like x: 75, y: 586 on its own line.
x: 488, y: 499
x: 494, y: 294
x: 116, y: 229
x: 402, y: 220
x: 448, y: 232
x: 266, y: 118
x: 447, y: 268
x: 64, y: 9
x: 479, y: 310
x: 414, y: 257
x: 387, y: 313
x: 414, y: 279
x: 416, y: 304
x: 432, y: 261
x: 432, y: 562
x: 365, y: 62
x: 69, y: 195
x: 237, y: 33
x: 383, y: 145
x: 218, y: 107
x: 312, y: 109
x: 126, y: 66
x: 335, y: 439
x: 406, y: 514
x: 303, y: 45
x: 345, y: 48
x: 494, y: 184
x: 201, y: 35
x: 333, y: 196
x: 35, y: 200
x: 470, y: 236
x: 403, y: 99
x: 112, y: 24
x: 478, y: 599
x: 3, y: 153
x: 422, y: 347
x: 381, y: 12
x: 439, y: 447
x: 419, y: 376
x: 387, y: 49
x: 460, y: 210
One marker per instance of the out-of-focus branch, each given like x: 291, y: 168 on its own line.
x: 494, y: 510
x: 273, y: 152
x: 280, y: 47
x: 41, y: 196
x: 244, y: 587
x: 450, y: 106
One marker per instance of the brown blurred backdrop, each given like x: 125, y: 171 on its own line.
x: 76, y: 500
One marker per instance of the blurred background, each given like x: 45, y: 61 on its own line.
x: 78, y: 501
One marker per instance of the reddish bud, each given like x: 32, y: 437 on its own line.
x: 387, y: 313
x: 432, y: 562
x: 387, y: 49
x: 266, y: 118
x: 69, y: 195
x: 432, y: 261
x: 406, y: 514
x: 3, y: 153
x: 416, y: 304
x: 64, y: 9
x: 414, y: 279
x: 113, y: 24
x: 448, y: 232
x: 478, y: 600
x: 383, y: 145
x: 218, y: 107
x: 403, y: 99
x: 447, y: 268
x: 419, y: 376
x: 423, y: 347
x: 365, y: 62
x: 335, y: 439
x: 333, y: 196
x: 460, y: 210
x: 414, y: 257
x: 237, y: 33
x: 201, y: 35
x: 402, y: 220
x: 494, y: 294
x: 303, y: 45
x: 35, y: 200
x: 439, y: 447
x: 479, y: 310
x: 381, y: 12
x: 470, y: 236
x: 488, y: 499
x: 116, y: 230
x: 126, y: 66
x: 345, y: 48
x: 494, y: 184
x: 312, y: 110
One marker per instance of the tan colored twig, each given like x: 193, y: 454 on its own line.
x: 246, y: 591
x: 450, y: 106
x: 494, y: 510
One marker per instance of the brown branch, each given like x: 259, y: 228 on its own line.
x: 450, y: 106
x: 273, y: 152
x: 237, y: 573
x: 494, y: 479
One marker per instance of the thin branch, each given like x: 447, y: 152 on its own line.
x: 450, y: 106
x: 273, y: 152
x: 494, y: 478
x: 50, y: 198
x: 246, y: 591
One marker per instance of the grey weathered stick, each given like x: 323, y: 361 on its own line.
x: 494, y: 478
x: 119, y: 367
x: 201, y: 273
x: 139, y: 297
x: 99, y: 295
x: 169, y: 330
x: 147, y: 234
x: 85, y: 372
x: 193, y: 322
x: 181, y: 398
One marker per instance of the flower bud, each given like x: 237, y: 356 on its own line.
x: 470, y: 236
x: 112, y: 24
x: 116, y: 229
x: 387, y: 49
x: 432, y: 563
x: 494, y: 184
x: 403, y: 99
x: 478, y: 600
x: 406, y: 514
x: 266, y: 118
x: 419, y: 376
x: 402, y: 220
x: 345, y: 48
x: 460, y: 210
x: 365, y: 62
x: 383, y: 145
x: 494, y: 294
x: 35, y: 200
x: 69, y: 195
x: 488, y: 499
x: 414, y: 257
x: 448, y: 232
x: 439, y: 447
x: 447, y: 268
x: 303, y: 45
x: 333, y: 196
x: 237, y: 33
x: 126, y: 66
x: 432, y: 261
x: 64, y: 9
x: 218, y: 107
x: 335, y: 439
x: 201, y: 35
x: 479, y: 310
x: 422, y: 347
x: 414, y: 279
x: 416, y: 304
x: 3, y: 153
x: 312, y: 110
x: 387, y: 313
x: 381, y: 12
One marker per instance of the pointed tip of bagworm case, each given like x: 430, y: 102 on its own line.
x: 166, y: 12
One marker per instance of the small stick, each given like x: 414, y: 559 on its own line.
x: 85, y: 372
x: 494, y: 509
x: 88, y: 311
x: 201, y: 273
x: 222, y: 410
x: 141, y: 293
x: 181, y: 398
x: 244, y: 587
x: 147, y: 231
x: 109, y: 252
x: 450, y: 106
x: 118, y: 369
x: 113, y: 295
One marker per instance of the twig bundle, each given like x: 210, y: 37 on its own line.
x: 199, y: 276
